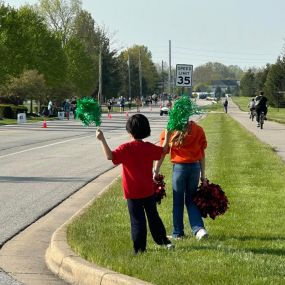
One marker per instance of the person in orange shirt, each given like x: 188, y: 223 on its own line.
x: 187, y: 153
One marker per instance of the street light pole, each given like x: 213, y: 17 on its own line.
x: 169, y: 74
x: 100, y: 98
x: 140, y: 73
x: 129, y: 73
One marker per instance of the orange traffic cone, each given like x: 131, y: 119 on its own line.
x: 44, y: 124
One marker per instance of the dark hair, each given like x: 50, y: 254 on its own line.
x: 138, y: 126
x: 261, y: 93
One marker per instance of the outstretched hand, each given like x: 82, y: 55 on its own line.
x: 99, y: 134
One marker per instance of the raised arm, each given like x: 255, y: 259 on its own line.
x: 106, y: 149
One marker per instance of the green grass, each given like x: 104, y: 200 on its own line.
x: 216, y: 107
x: 29, y: 120
x: 246, y: 245
x: 7, y: 122
x: 273, y: 113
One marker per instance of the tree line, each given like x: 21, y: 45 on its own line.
x: 270, y: 79
x: 52, y: 51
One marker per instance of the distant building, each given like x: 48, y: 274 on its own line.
x: 224, y: 85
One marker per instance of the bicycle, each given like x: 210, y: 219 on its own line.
x: 252, y: 114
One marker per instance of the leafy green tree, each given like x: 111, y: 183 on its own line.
x: 149, y: 73
x: 28, y: 44
x: 260, y: 77
x: 247, y: 84
x: 81, y: 73
x: 30, y: 85
x: 163, y: 77
x: 95, y: 40
x: 275, y: 82
x: 216, y: 71
x: 85, y: 29
x: 218, y: 93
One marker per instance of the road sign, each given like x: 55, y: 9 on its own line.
x: 184, y: 75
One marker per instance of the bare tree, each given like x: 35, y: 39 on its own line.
x: 60, y: 15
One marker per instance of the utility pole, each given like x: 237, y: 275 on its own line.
x: 100, y: 97
x: 140, y: 73
x: 162, y: 76
x: 169, y: 74
x: 129, y: 72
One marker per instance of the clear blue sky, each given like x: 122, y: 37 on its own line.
x: 240, y: 32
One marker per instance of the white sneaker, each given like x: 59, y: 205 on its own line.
x: 201, y: 234
x: 170, y: 246
x: 177, y: 237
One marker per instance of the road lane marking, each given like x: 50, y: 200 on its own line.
x: 43, y: 146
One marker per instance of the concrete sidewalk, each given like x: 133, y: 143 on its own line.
x: 24, y: 256
x: 272, y: 133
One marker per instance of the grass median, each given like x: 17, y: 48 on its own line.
x: 246, y: 245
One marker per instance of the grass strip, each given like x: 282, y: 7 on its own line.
x: 246, y: 245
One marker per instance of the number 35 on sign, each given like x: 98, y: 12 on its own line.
x: 184, y: 75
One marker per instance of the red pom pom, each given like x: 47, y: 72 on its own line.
x: 211, y: 200
x: 159, y: 188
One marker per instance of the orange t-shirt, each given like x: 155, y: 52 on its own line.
x: 193, y: 148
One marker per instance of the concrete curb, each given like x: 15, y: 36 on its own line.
x: 66, y: 264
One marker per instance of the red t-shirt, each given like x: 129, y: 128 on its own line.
x: 137, y: 159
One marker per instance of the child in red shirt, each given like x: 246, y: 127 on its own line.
x: 137, y: 159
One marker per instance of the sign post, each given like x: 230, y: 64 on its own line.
x: 184, y: 76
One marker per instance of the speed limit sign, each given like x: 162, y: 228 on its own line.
x: 184, y: 75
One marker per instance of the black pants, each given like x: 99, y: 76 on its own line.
x: 137, y: 210
x: 258, y: 112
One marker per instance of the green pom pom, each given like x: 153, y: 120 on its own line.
x: 179, y: 115
x: 88, y: 111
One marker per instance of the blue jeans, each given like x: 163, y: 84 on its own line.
x: 185, y: 180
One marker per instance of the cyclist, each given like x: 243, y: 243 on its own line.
x: 260, y: 106
x: 251, y: 106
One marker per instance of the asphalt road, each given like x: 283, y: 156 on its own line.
x: 41, y: 167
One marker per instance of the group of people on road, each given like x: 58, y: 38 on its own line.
x: 258, y: 105
x: 67, y: 106
x: 141, y: 163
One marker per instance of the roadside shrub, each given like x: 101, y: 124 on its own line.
x: 11, y: 111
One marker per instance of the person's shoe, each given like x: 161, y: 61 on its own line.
x: 139, y: 251
x: 258, y: 125
x: 176, y: 237
x: 201, y: 234
x: 170, y: 246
